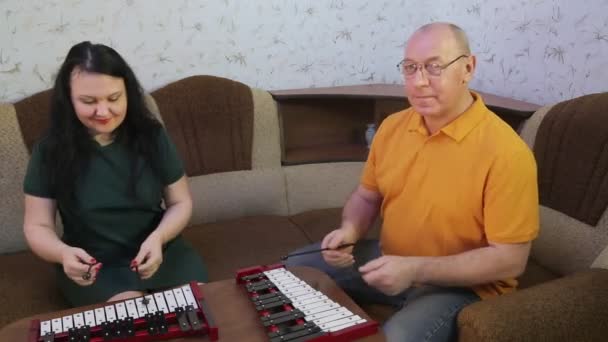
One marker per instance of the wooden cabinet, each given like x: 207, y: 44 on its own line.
x: 328, y: 124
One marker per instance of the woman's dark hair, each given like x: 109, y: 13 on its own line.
x: 68, y: 143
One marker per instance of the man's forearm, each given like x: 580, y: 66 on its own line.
x: 359, y: 213
x: 474, y: 267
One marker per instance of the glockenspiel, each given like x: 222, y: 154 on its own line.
x: 291, y: 310
x: 176, y: 312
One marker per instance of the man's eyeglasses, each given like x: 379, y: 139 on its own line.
x: 409, y: 68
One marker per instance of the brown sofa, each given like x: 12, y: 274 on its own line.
x: 250, y: 209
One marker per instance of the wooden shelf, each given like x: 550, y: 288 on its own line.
x: 391, y: 91
x: 377, y: 91
x: 325, y: 153
x: 328, y: 124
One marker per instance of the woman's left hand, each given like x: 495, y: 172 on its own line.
x: 149, y: 257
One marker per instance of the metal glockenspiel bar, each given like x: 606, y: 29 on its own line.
x: 175, y: 312
x: 291, y: 310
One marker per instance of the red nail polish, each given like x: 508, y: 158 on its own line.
x: 93, y: 261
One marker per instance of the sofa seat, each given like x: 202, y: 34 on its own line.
x: 27, y: 283
x: 250, y: 241
x: 27, y: 286
x: 571, y: 308
x: 317, y: 223
x: 225, y: 246
x: 535, y: 274
x: 260, y: 240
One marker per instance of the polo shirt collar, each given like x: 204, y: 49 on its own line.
x: 416, y: 124
x: 458, y: 128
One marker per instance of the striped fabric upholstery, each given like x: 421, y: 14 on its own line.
x: 571, y: 149
x: 14, y: 157
x: 566, y: 244
x: 254, y: 184
x: 211, y: 122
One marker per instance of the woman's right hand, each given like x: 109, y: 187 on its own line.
x: 339, y: 257
x: 77, y: 263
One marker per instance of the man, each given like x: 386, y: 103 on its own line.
x: 457, y: 191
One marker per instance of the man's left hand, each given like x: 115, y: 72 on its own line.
x: 390, y: 274
x: 149, y: 257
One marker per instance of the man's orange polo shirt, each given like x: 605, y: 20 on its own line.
x: 472, y: 182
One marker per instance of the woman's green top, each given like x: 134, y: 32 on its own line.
x: 110, y: 222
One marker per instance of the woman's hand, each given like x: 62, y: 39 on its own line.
x: 79, y: 266
x: 149, y: 257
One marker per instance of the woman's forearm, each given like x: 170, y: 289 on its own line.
x: 174, y: 220
x: 44, y: 242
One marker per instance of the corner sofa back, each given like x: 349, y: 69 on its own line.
x: 228, y: 136
x: 211, y: 112
x: 569, y: 142
x: 14, y: 157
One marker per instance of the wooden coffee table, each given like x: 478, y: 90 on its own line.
x: 232, y: 311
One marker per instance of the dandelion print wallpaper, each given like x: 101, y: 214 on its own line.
x: 537, y: 50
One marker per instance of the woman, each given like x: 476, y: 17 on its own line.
x: 110, y: 170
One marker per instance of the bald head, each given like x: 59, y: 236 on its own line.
x: 447, y: 30
x: 439, y: 67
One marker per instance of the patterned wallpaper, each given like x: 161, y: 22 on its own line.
x: 541, y: 51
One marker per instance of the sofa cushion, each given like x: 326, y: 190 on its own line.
x: 266, y: 148
x: 530, y: 126
x: 317, y: 223
x: 535, y: 274
x: 27, y: 287
x: 572, y: 308
x: 574, y: 130
x: 250, y: 241
x: 210, y: 120
x: 14, y: 157
x: 565, y: 245
x: 33, y: 114
x: 230, y: 195
x: 318, y: 186
x: 572, y: 234
x: 602, y: 260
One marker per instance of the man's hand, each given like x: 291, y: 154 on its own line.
x: 391, y: 274
x: 149, y: 257
x: 77, y: 263
x: 344, y: 256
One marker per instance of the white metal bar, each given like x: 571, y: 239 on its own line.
x: 121, y: 310
x: 67, y: 322
x: 160, y: 302
x: 78, y: 320
x: 56, y: 325
x: 100, y: 316
x: 132, y: 308
x: 170, y: 298
x: 45, y: 327
x: 189, y: 296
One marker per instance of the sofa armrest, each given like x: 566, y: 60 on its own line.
x: 572, y: 308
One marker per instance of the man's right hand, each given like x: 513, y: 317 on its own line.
x: 76, y: 263
x: 339, y: 257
